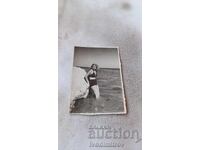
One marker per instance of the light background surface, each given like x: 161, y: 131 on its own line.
x: 28, y: 52
x: 28, y: 99
x: 100, y: 23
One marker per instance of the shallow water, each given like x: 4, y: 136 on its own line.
x: 110, y: 100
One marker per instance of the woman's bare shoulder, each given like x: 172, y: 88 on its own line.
x: 90, y: 71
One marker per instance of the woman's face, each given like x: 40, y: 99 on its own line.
x: 94, y: 67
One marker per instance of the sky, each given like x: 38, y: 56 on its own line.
x: 104, y: 57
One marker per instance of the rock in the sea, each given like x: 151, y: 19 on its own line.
x: 79, y: 85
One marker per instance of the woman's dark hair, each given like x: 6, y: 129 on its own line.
x: 95, y: 66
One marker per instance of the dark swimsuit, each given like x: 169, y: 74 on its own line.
x: 93, y: 78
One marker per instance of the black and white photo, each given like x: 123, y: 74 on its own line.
x: 97, y: 83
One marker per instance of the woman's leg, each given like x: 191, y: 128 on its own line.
x: 86, y: 93
x: 95, y: 88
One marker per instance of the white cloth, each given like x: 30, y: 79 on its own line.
x: 79, y: 85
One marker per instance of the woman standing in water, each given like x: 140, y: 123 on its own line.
x: 91, y: 79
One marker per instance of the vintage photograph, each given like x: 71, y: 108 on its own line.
x: 97, y: 82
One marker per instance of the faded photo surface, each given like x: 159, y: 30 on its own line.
x: 97, y: 85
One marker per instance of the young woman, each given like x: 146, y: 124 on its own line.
x: 91, y: 79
